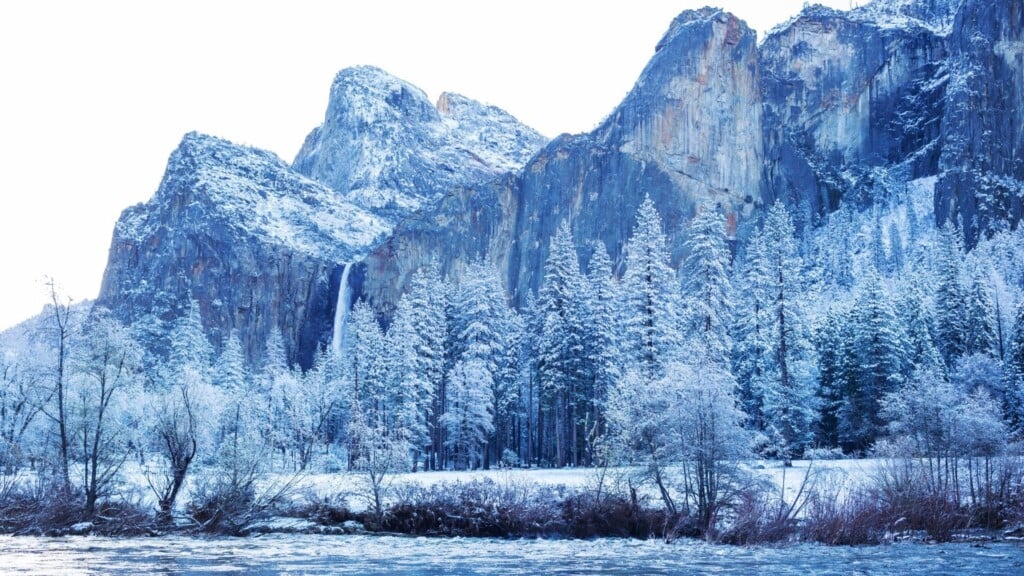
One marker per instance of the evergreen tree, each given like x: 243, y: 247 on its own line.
x: 979, y: 318
x: 835, y: 370
x: 950, y: 303
x: 428, y: 325
x: 751, y: 360
x: 562, y: 368
x: 651, y: 298
x: 916, y: 318
x: 878, y: 345
x: 229, y: 372
x: 484, y: 327
x: 707, y: 303
x: 602, y: 338
x: 788, y: 401
x: 189, y: 346
x: 896, y: 256
x: 365, y: 379
x: 1015, y: 372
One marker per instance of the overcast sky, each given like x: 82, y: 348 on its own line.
x: 95, y: 95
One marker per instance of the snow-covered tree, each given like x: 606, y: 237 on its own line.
x: 1015, y: 371
x: 950, y: 301
x: 603, y: 341
x: 650, y: 298
x: 484, y: 326
x: 775, y: 352
x: 878, y: 348
x: 689, y: 417
x: 106, y: 383
x: 979, y: 317
x: 417, y: 337
x: 707, y: 292
x: 469, y: 416
x: 563, y: 366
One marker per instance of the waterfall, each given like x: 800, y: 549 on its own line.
x: 341, y: 311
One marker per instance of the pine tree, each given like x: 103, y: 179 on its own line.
x: 563, y: 368
x: 189, y: 346
x: 651, y: 298
x: 1015, y: 372
x: 484, y: 327
x: 410, y: 389
x: 788, y: 399
x: 878, y: 349
x: 896, y: 256
x: 950, y: 303
x: 229, y: 372
x: 835, y: 370
x: 752, y: 363
x: 365, y: 379
x: 602, y: 338
x: 979, y: 318
x: 922, y: 354
x: 707, y: 292
x: 428, y: 323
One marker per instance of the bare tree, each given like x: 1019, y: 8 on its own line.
x: 60, y: 316
x: 175, y: 437
x: 106, y: 373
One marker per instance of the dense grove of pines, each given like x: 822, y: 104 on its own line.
x: 866, y: 333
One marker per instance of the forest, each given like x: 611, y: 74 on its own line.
x: 867, y: 332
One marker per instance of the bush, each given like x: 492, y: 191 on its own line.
x: 223, y: 507
x: 854, y: 520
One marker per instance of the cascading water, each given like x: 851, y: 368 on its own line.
x: 341, y: 311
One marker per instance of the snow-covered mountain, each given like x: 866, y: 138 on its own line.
x: 386, y: 148
x: 833, y: 108
x: 261, y: 247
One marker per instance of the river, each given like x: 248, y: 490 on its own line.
x: 295, y: 554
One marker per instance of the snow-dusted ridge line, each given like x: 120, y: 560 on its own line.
x: 255, y: 192
x: 387, y: 148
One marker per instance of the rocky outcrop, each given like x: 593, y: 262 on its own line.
x: 845, y: 93
x: 689, y: 133
x: 386, y: 148
x: 982, y: 180
x: 253, y: 243
x: 833, y: 107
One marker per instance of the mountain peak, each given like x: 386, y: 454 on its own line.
x: 372, y: 95
x: 387, y: 148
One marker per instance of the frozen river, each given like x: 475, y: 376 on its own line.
x: 289, y: 554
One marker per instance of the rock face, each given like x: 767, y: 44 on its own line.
x: 689, y: 133
x: 386, y: 148
x: 982, y: 180
x: 845, y: 93
x: 254, y: 243
x: 833, y: 107
x: 260, y: 247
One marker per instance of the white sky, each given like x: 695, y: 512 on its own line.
x: 95, y: 95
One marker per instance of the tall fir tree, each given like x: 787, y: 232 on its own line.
x: 563, y: 369
x: 707, y: 292
x: 752, y: 363
x: 483, y: 324
x: 979, y: 317
x: 422, y: 321
x: 878, y: 349
x: 651, y: 298
x: 918, y: 322
x: 1015, y: 372
x: 950, y: 301
x: 787, y: 394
